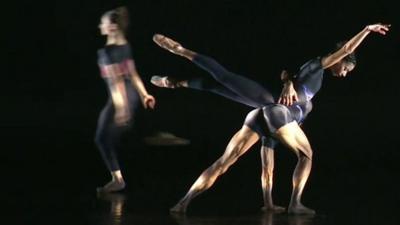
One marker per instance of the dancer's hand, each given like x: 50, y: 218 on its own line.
x: 378, y: 28
x: 149, y: 101
x: 288, y: 95
x: 121, y: 116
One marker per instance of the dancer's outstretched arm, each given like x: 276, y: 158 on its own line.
x: 352, y: 44
x: 288, y: 97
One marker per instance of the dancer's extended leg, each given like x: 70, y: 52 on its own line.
x: 237, y: 146
x: 255, y: 94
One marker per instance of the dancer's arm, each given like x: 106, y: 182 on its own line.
x: 288, y: 95
x: 147, y: 100
x: 352, y: 44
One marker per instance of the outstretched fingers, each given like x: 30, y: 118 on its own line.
x: 379, y: 28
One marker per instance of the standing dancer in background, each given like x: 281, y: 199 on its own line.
x: 126, y: 92
x: 281, y: 122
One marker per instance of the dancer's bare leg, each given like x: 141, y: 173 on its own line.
x: 173, y: 46
x: 293, y: 136
x: 238, y: 145
x: 117, y: 183
x: 267, y: 161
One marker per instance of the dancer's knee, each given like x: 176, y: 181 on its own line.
x: 222, y: 166
x: 305, y: 155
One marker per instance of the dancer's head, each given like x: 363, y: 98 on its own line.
x: 114, y: 21
x: 344, y: 66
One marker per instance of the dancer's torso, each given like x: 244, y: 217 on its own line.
x: 307, y: 83
x: 115, y: 63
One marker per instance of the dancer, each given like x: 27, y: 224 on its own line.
x: 126, y: 91
x: 281, y: 122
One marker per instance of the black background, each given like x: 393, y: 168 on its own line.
x: 52, y: 95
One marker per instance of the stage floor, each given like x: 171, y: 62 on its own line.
x: 127, y: 209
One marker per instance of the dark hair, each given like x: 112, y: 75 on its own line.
x: 119, y: 16
x: 350, y: 58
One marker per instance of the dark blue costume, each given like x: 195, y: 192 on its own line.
x: 108, y: 133
x: 268, y: 115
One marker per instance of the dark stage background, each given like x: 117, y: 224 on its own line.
x: 52, y: 95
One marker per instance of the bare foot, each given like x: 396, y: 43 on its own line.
x: 168, y: 44
x: 300, y: 209
x: 178, y: 208
x: 273, y: 209
x: 112, y: 186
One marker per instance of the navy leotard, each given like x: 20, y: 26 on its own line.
x: 307, y: 83
x: 268, y: 115
x: 117, y: 58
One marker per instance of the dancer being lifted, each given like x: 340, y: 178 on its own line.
x: 269, y: 119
